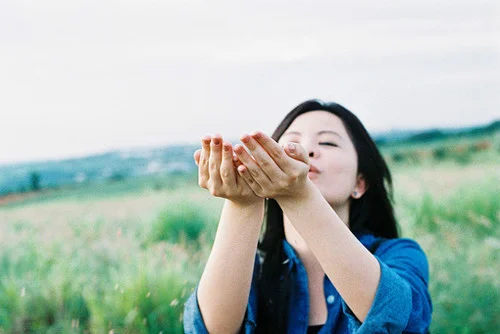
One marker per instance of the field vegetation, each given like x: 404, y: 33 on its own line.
x: 122, y: 257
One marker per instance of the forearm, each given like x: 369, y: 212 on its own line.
x: 225, y: 284
x: 350, y: 266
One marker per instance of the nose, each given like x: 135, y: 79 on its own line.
x: 313, y: 151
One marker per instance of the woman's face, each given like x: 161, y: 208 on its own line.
x: 332, y: 156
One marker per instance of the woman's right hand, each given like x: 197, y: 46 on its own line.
x: 217, y: 172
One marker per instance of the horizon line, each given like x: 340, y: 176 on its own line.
x: 77, y: 156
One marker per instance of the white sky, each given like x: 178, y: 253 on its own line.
x: 87, y: 76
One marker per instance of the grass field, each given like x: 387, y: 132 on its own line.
x: 124, y: 261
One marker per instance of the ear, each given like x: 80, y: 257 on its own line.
x: 361, y: 187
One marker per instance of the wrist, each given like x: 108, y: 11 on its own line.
x: 302, y: 195
x: 247, y: 206
x: 247, y: 200
x: 245, y: 218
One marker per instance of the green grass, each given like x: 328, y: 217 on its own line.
x: 104, y: 189
x: 125, y: 258
x: 459, y: 230
x: 182, y: 222
x: 96, y: 265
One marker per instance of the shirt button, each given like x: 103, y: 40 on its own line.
x: 330, y: 299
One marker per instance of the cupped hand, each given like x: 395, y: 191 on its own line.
x: 272, y: 171
x: 217, y: 171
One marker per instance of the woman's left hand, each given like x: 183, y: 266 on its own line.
x: 272, y: 171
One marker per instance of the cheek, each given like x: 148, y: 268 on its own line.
x: 344, y: 163
x: 344, y: 170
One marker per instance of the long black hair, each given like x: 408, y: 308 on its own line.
x: 373, y: 213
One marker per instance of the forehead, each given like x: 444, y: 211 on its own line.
x: 317, y: 121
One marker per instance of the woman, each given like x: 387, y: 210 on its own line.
x: 329, y: 258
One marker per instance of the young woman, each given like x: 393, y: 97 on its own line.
x: 329, y: 258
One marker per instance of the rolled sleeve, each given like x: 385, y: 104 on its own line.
x: 193, y: 320
x: 402, y: 302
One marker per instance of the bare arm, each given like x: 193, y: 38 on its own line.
x: 224, y: 287
x: 350, y: 266
x: 352, y: 269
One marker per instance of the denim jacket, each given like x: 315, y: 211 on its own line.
x: 402, y: 302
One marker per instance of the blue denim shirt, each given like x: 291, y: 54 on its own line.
x: 402, y: 302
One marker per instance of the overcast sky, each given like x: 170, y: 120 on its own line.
x: 87, y: 76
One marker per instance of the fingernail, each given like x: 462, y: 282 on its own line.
x: 216, y: 141
x: 245, y: 138
x: 238, y: 149
x: 291, y: 147
x: 256, y: 134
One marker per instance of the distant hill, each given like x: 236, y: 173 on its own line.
x: 169, y: 160
x: 113, y: 166
x: 429, y: 135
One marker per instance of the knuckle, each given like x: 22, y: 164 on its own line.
x: 254, y: 173
x: 276, y: 153
x: 213, y: 191
x: 293, y: 177
x: 202, y: 179
x: 283, y: 183
x: 265, y: 163
x: 224, y: 173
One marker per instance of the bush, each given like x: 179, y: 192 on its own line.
x: 182, y: 222
x: 439, y: 153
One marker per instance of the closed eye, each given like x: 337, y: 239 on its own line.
x: 328, y: 144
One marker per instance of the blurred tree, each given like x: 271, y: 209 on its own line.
x: 35, y: 181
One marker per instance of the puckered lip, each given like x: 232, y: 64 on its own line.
x: 313, y: 169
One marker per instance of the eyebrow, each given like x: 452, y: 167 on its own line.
x: 319, y: 133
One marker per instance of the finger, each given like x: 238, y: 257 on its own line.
x: 215, y: 161
x: 240, y: 182
x: 262, y: 157
x: 196, y: 157
x: 203, y: 173
x: 236, y: 160
x: 278, y: 154
x: 227, y: 168
x: 252, y: 166
x: 297, y: 151
x: 236, y: 163
x: 249, y: 180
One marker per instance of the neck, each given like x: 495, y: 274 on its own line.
x: 343, y: 212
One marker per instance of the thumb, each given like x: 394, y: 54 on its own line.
x: 297, y: 152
